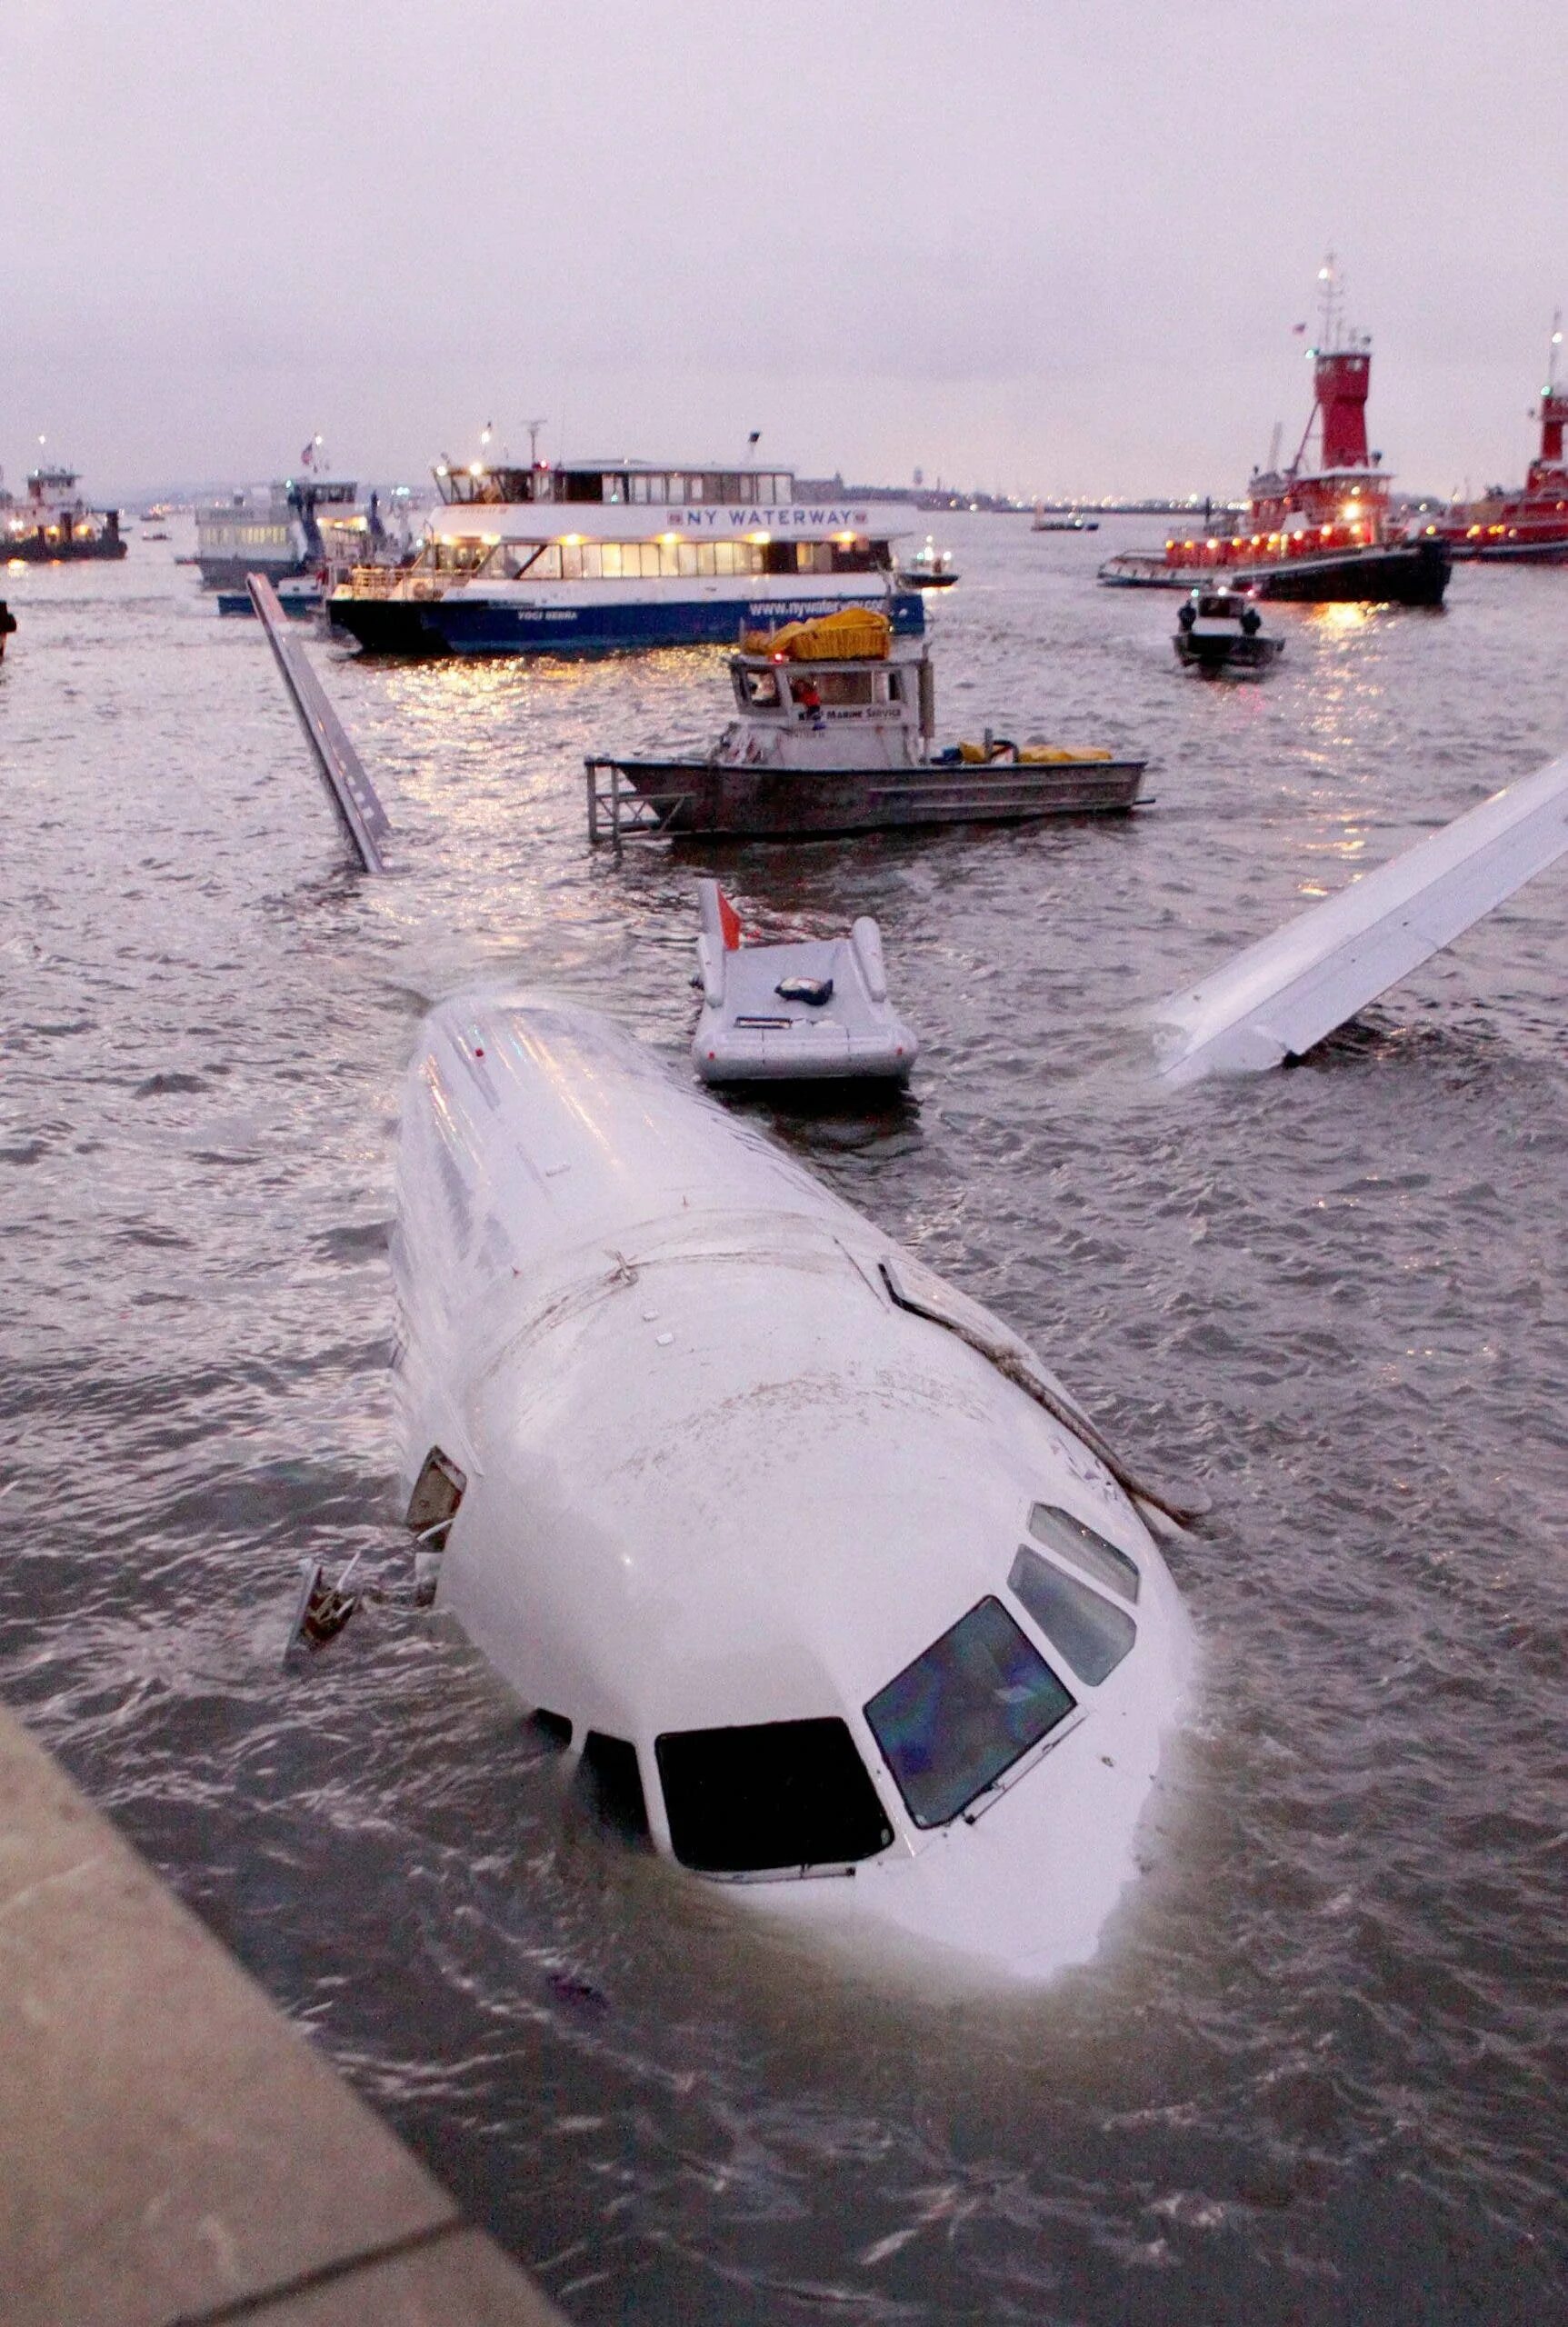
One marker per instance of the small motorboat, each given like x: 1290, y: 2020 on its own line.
x: 929, y: 568
x: 827, y: 1588
x: 1221, y: 630
x: 835, y: 734
x: 816, y: 1010
x: 1071, y: 521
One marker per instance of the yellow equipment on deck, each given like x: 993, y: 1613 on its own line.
x: 854, y: 634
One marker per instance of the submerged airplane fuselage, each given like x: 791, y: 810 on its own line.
x: 748, y: 1507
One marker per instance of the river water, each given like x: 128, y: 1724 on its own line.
x: 1320, y: 2074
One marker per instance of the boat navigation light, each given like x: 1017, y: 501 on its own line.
x: 476, y: 468
x: 571, y: 540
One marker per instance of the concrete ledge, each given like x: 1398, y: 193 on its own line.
x: 171, y: 2154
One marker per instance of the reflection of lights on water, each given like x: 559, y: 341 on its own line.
x: 1342, y: 615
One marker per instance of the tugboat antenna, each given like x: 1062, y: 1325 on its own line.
x: 534, y: 427
x: 1556, y: 341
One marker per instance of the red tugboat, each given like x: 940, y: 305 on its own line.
x: 1314, y: 533
x: 54, y: 524
x: 1529, y: 526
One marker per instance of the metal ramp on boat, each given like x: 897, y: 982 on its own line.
x: 1273, y: 1002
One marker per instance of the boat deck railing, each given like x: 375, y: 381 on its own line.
x: 618, y: 812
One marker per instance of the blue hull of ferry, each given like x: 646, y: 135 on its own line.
x: 449, y: 626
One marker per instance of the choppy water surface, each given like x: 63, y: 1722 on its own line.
x: 1320, y: 2075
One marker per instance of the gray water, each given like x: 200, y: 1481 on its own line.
x: 1319, y: 2073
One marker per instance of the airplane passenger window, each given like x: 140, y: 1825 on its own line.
x: 1093, y: 1634
x: 953, y: 1722
x: 1070, y: 1540
x: 783, y: 1793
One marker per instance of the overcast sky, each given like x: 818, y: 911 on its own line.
x: 1055, y: 245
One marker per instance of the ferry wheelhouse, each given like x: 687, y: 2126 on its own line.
x: 53, y: 524
x: 601, y: 555
x: 1530, y: 525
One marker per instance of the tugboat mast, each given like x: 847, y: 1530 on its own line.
x: 1342, y: 372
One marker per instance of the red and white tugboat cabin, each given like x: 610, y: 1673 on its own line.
x: 1529, y: 526
x: 1317, y: 533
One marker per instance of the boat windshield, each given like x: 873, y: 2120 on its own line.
x: 956, y: 1720
x: 757, y: 690
x: 783, y: 1795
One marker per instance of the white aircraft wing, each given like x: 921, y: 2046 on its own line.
x: 1286, y: 993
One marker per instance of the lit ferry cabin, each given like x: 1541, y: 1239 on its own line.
x: 595, y: 556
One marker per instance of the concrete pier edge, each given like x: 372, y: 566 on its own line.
x: 172, y: 2153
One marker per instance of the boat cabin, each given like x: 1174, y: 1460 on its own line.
x: 840, y: 692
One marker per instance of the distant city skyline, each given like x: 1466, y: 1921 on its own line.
x: 1044, y: 250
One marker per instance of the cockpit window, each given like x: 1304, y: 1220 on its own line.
x: 965, y: 1712
x: 1094, y: 1634
x: 1090, y: 1554
x: 784, y: 1793
x: 758, y: 690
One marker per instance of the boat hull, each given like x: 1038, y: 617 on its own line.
x: 463, y: 625
x: 33, y: 549
x: 1212, y: 656
x: 698, y: 797
x: 1412, y: 573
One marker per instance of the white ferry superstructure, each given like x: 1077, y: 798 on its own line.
x: 596, y: 556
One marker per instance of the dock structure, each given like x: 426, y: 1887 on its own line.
x: 353, y: 794
x: 1284, y: 993
x: 172, y: 2153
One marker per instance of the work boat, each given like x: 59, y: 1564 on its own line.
x: 597, y: 555
x: 53, y: 526
x: 833, y: 733
x: 1221, y: 630
x: 1312, y: 533
x: 838, y: 1597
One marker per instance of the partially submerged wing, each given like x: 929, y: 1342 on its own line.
x: 1283, y: 994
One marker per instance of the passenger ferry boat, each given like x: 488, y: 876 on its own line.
x: 53, y: 525
x: 1313, y: 534
x: 1530, y: 525
x: 276, y: 530
x: 592, y: 555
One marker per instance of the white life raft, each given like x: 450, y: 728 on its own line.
x: 812, y: 1011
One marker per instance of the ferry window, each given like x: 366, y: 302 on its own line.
x: 953, y: 1722
x: 814, y: 558
x: 612, y: 561
x: 1083, y: 1549
x: 845, y: 687
x: 571, y: 562
x: 593, y: 561
x: 889, y: 687
x: 578, y: 484
x: 614, y: 488
x: 786, y: 1794
x: 658, y: 489
x: 543, y: 565
x: 779, y: 557
x: 759, y: 690
x: 1093, y: 1634
x: 853, y: 557
x: 686, y: 556
x: 637, y: 488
